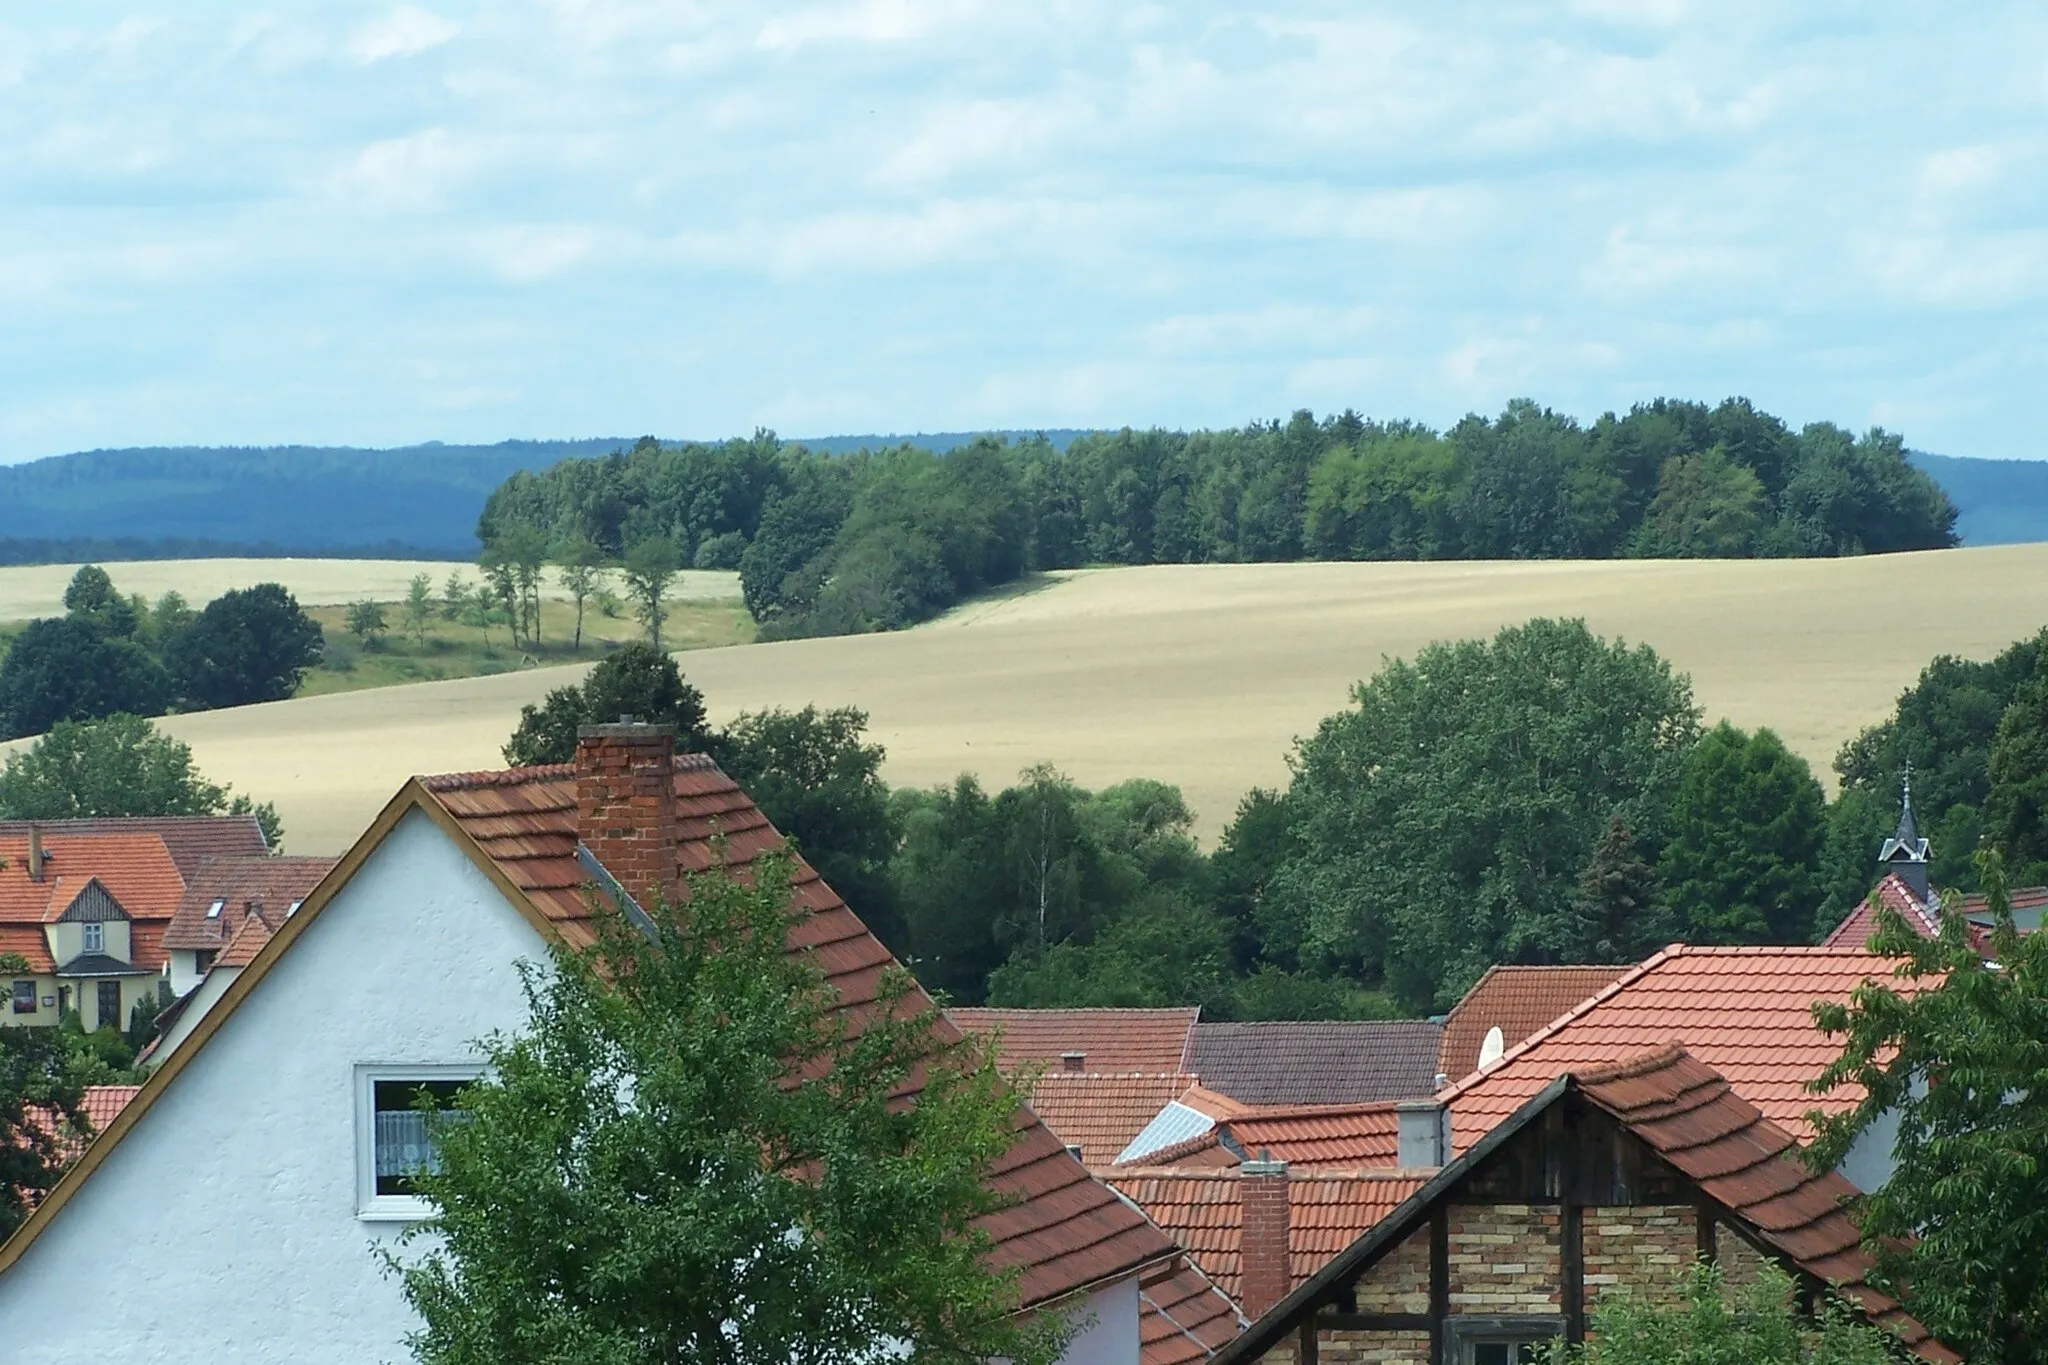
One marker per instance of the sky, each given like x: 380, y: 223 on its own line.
x: 371, y: 225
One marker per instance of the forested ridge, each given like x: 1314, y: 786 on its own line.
x: 877, y: 539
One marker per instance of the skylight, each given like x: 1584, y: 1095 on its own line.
x: 213, y: 911
x: 292, y: 909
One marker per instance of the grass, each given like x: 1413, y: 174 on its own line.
x: 447, y: 650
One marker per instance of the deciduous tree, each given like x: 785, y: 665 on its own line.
x: 1747, y: 826
x: 70, y: 668
x: 687, y: 1158
x: 120, y: 765
x: 418, y: 609
x: 650, y: 566
x: 636, y: 681
x: 40, y: 1095
x: 249, y: 645
x: 2016, y: 807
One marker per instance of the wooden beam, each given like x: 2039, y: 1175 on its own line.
x: 1374, y: 1322
x: 1439, y: 1280
x: 1306, y: 1355
x: 1704, y: 1218
x: 1571, y: 1256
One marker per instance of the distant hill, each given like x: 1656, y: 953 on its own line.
x: 176, y: 502
x: 2003, y: 502
x: 422, y: 501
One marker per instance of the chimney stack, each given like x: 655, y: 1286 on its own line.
x: 1073, y: 1061
x: 626, y: 804
x: 1422, y: 1138
x: 35, y: 853
x: 1266, y: 1275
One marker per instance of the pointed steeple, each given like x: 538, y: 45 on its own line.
x: 1904, y: 855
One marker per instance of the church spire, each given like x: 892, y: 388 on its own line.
x: 1904, y: 855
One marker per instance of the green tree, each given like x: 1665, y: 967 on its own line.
x: 37, y: 1082
x: 69, y: 668
x: 366, y: 621
x: 2016, y: 807
x: 520, y: 555
x: 418, y: 609
x: 1712, y: 1323
x: 91, y: 596
x: 815, y: 776
x: 1445, y: 818
x: 1707, y: 507
x: 170, y: 618
x: 119, y: 765
x: 1946, y: 1058
x: 249, y: 645
x: 1615, y: 917
x: 1747, y: 827
x: 637, y: 681
x: 455, y: 597
x: 689, y: 1155
x: 650, y: 566
x: 580, y: 568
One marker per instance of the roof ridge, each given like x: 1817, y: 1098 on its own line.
x: 1316, y: 1111
x: 514, y: 777
x: 1642, y: 1064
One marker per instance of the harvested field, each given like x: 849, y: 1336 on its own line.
x: 38, y: 589
x: 1201, y: 675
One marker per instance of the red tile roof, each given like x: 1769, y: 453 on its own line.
x: 1695, y: 1120
x: 1856, y: 928
x: 135, y: 869
x: 1101, y: 1114
x: 275, y: 883
x: 1155, y: 1042
x: 1319, y: 1135
x: 1517, y: 1001
x: 1183, y: 1317
x: 1746, y: 1012
x: 1318, y: 1062
x: 1067, y: 1232
x: 251, y: 933
x: 1204, y: 1211
x: 191, y: 839
x: 99, y: 1106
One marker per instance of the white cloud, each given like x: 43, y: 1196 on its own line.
x: 405, y: 32
x: 412, y: 173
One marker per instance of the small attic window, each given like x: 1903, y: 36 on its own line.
x: 213, y: 911
x: 292, y: 909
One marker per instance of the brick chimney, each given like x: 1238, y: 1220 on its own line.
x: 1263, y: 1245
x: 35, y: 854
x: 626, y: 804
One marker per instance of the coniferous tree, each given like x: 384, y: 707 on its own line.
x: 1616, y: 916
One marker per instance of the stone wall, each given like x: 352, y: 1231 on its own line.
x: 1400, y: 1282
x: 1504, y: 1258
x: 1372, y: 1348
x: 1647, y: 1249
x: 1739, y: 1261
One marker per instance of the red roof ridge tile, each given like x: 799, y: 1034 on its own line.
x: 536, y: 772
x: 1643, y: 1064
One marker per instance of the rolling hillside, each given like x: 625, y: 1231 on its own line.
x: 1200, y: 675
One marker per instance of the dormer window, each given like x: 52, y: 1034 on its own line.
x: 95, y: 937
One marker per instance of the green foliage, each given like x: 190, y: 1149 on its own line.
x: 249, y: 645
x: 455, y: 597
x: 637, y: 681
x: 1616, y: 914
x: 1445, y: 819
x: 70, y: 668
x: 36, y: 1082
x: 1707, y: 507
x: 1954, y: 1059
x: 1743, y: 860
x: 366, y: 621
x: 120, y: 765
x: 417, y: 611
x: 142, y: 1016
x: 1712, y: 1324
x: 685, y: 1157
x: 2016, y: 807
x: 650, y: 565
x: 579, y: 568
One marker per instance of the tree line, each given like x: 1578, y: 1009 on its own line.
x: 1544, y: 796
x: 115, y: 655
x: 830, y: 544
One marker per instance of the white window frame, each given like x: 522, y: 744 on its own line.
x: 372, y: 1207
x: 89, y: 931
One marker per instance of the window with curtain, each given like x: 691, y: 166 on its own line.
x: 403, y: 1130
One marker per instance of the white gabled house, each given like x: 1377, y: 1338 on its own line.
x: 232, y: 1212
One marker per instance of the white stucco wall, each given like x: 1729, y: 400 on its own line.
x: 224, y: 1228
x: 1111, y: 1338
x: 210, y: 989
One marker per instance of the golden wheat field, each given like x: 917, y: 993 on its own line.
x: 1200, y: 675
x: 38, y: 589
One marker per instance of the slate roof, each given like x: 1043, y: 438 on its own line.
x: 1067, y: 1233
x: 1153, y: 1042
x: 1517, y: 1001
x: 101, y: 964
x: 1100, y: 1114
x: 1746, y: 1012
x: 1695, y: 1120
x: 1183, y: 1317
x: 274, y: 882
x: 190, y: 839
x: 1203, y: 1210
x: 1287, y: 1062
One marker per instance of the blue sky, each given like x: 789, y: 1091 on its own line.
x: 376, y: 225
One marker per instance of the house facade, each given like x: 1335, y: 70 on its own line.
x: 267, y: 1152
